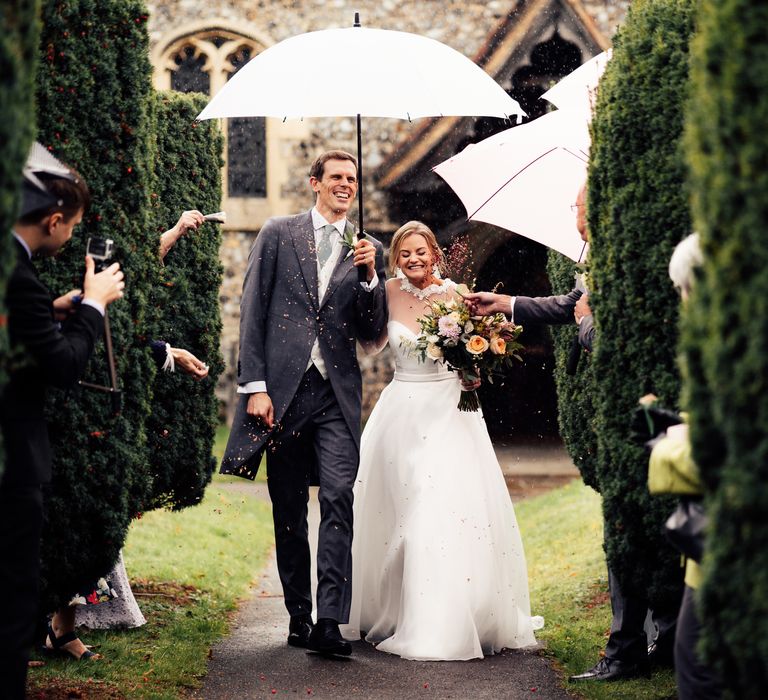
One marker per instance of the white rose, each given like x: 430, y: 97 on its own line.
x: 433, y: 339
x: 469, y: 327
x: 454, y: 316
x: 434, y: 352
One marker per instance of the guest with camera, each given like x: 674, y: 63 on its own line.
x: 55, y: 197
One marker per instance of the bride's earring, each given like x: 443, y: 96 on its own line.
x: 399, y: 273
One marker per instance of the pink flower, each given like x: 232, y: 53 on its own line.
x: 448, y: 328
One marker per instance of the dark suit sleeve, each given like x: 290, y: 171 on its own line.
x: 255, y: 303
x: 372, y: 305
x: 159, y: 351
x: 60, y: 355
x: 587, y: 332
x: 554, y: 309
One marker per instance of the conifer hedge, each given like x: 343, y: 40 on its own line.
x: 184, y: 416
x: 638, y: 211
x: 575, y: 406
x: 726, y: 333
x: 93, y: 112
x: 18, y: 61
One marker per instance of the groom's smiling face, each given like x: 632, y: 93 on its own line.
x: 336, y: 189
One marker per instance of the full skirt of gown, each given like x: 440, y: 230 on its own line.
x: 439, y: 571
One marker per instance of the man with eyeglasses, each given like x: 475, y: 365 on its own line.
x: 560, y: 309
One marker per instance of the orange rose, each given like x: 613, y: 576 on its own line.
x: 477, y: 345
x: 498, y: 345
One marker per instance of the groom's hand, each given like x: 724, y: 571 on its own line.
x: 260, y: 407
x: 365, y: 254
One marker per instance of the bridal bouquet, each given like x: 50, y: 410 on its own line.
x: 476, y: 346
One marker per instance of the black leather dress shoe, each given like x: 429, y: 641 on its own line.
x: 660, y: 656
x: 612, y: 670
x: 299, y: 630
x: 326, y: 639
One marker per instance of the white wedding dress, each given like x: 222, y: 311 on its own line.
x: 439, y: 571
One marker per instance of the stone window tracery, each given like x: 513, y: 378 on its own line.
x: 203, y: 62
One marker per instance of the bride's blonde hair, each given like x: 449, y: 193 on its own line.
x: 409, y: 229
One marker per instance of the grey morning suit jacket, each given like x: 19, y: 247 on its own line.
x: 554, y: 309
x: 280, y: 317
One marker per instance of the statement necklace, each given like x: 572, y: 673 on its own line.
x: 420, y: 294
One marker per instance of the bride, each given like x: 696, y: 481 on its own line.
x: 438, y: 566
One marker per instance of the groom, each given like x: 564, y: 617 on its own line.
x: 302, y: 311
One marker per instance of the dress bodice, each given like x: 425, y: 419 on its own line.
x: 408, y: 365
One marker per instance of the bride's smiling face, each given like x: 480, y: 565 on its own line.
x: 415, y: 259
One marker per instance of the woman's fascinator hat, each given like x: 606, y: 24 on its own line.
x: 41, y: 166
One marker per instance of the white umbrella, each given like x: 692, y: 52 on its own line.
x: 577, y: 90
x: 361, y: 72
x: 526, y: 179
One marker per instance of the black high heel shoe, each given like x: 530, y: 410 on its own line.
x: 58, y: 643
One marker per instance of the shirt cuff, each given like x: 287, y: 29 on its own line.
x: 512, y: 309
x: 252, y: 388
x: 95, y: 304
x: 370, y: 286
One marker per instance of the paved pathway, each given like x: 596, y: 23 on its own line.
x: 255, y: 662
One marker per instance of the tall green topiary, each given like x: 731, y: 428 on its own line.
x: 184, y: 416
x: 637, y: 212
x: 93, y: 112
x: 726, y: 333
x: 18, y: 62
x: 575, y: 406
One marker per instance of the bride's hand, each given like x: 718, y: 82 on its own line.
x: 469, y: 384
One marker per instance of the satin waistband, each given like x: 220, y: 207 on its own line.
x: 423, y: 377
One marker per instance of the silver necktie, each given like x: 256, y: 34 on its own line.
x: 324, y: 245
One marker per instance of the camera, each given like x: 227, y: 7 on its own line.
x: 101, y: 250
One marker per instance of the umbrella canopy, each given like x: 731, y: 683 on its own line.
x: 577, y: 90
x: 361, y: 71
x: 526, y: 179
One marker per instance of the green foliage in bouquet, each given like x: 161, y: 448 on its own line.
x: 637, y: 210
x: 725, y: 332
x: 93, y: 113
x: 184, y: 414
x: 18, y: 62
x: 575, y: 393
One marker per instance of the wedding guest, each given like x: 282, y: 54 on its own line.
x: 627, y: 653
x: 55, y: 197
x: 672, y: 470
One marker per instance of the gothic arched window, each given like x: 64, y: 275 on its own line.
x: 203, y: 62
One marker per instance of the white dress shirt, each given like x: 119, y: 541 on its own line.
x: 323, y: 279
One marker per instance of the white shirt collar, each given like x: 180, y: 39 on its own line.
x: 23, y: 243
x: 318, y: 221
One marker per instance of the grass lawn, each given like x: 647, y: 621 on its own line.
x: 189, y: 570
x: 562, y: 533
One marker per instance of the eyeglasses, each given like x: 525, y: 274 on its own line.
x: 575, y: 207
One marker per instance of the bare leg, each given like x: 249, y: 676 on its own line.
x: 63, y: 623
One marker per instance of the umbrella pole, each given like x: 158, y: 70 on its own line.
x: 360, y: 173
x: 362, y: 274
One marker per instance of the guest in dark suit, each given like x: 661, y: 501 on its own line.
x: 627, y: 653
x: 302, y: 311
x: 43, y: 354
x: 557, y: 310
